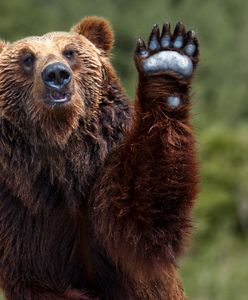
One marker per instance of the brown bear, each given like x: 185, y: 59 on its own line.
x: 95, y: 195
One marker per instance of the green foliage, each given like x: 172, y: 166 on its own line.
x: 216, y: 266
x: 219, y: 271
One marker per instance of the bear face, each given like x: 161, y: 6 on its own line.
x: 52, y: 82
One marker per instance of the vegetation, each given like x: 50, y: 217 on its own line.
x: 215, y: 267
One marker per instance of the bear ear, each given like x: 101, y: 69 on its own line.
x: 98, y: 31
x: 2, y: 45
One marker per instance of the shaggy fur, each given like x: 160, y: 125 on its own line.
x: 95, y: 199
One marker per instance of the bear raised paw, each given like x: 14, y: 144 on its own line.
x: 95, y: 195
x: 172, y: 56
x: 175, y: 53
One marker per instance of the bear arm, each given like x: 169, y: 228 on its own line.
x: 142, y: 200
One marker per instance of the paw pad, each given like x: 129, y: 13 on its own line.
x: 169, y: 60
x: 173, y: 101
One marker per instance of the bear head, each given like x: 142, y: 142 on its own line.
x: 52, y: 83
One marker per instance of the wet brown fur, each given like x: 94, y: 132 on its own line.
x: 93, y: 204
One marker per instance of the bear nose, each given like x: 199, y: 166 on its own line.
x: 56, y: 76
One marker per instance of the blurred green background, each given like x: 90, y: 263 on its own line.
x: 216, y: 265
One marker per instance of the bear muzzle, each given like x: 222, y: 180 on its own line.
x: 56, y: 78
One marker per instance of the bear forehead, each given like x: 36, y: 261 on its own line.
x: 51, y: 39
x: 57, y: 35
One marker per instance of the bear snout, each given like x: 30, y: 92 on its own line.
x: 56, y: 77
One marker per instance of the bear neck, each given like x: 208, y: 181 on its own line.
x: 67, y: 169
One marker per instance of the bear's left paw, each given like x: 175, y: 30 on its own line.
x: 168, y: 53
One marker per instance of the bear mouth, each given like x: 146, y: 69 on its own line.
x: 58, y: 97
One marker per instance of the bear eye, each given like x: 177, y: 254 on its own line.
x: 70, y: 53
x: 28, y: 60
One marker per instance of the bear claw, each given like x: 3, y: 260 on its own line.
x: 153, y: 43
x: 190, y: 47
x: 179, y: 29
x: 141, y: 48
x: 179, y: 34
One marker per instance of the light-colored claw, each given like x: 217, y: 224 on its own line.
x: 169, y: 61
